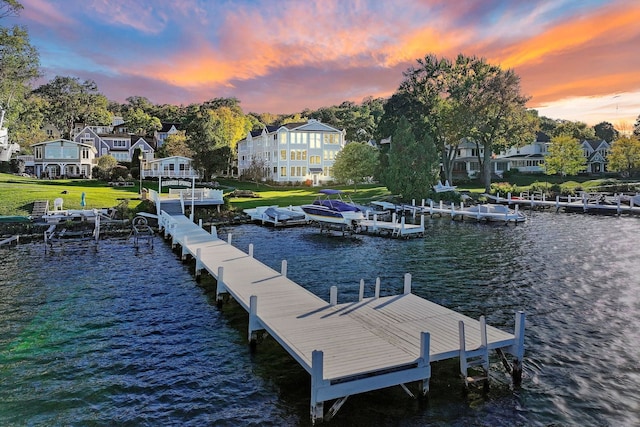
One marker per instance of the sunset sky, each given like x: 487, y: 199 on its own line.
x: 577, y: 59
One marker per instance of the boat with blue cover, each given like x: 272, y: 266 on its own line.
x: 333, y: 207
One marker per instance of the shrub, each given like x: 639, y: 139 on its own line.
x: 504, y: 188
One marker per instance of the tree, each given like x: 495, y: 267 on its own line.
x: 141, y: 123
x: 213, y: 130
x: 565, y: 156
x: 19, y: 65
x: 413, y: 166
x: 10, y: 8
x: 256, y: 170
x: 606, y: 131
x: 355, y: 163
x: 577, y: 130
x: 175, y: 145
x: 624, y: 156
x: 71, y: 100
x: 492, y: 110
x: 104, y: 166
x: 636, y: 127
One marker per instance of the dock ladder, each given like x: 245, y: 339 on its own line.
x: 478, y: 357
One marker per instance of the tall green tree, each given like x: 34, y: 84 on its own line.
x: 606, y: 131
x: 19, y: 66
x: 493, y: 111
x: 578, y: 130
x: 636, y: 127
x: 175, y: 145
x: 140, y: 122
x: 213, y: 131
x: 413, y: 166
x: 355, y: 163
x: 71, y: 100
x: 565, y: 156
x: 624, y: 156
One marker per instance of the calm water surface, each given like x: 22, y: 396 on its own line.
x: 121, y: 336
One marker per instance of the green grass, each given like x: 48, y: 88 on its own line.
x: 17, y: 194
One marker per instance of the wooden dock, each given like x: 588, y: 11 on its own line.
x: 580, y: 203
x: 352, y: 347
x: 393, y: 228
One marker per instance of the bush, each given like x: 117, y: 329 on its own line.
x: 503, y: 188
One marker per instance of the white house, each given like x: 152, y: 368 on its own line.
x: 167, y: 167
x: 596, y: 151
x: 527, y: 159
x: 63, y: 158
x: 7, y: 149
x: 294, y: 152
x: 161, y: 135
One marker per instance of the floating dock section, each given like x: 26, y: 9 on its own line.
x: 352, y: 347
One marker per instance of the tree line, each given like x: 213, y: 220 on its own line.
x: 439, y: 104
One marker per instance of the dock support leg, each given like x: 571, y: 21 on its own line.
x: 220, y: 288
x: 198, y: 264
x: 317, y: 381
x: 425, y: 346
x: 254, y: 323
x: 518, y: 349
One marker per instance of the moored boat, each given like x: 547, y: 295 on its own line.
x: 333, y: 207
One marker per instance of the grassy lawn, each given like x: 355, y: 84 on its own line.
x: 17, y: 194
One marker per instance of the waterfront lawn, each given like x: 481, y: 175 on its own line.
x: 18, y: 194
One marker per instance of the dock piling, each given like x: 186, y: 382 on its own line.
x: 283, y: 268
x: 361, y: 293
x: 407, y: 283
x: 333, y: 295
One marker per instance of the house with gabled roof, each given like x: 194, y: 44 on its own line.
x: 168, y: 167
x: 167, y: 129
x: 293, y: 152
x: 63, y: 158
x: 596, y: 152
x: 120, y: 145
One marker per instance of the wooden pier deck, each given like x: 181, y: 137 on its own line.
x: 581, y: 203
x: 392, y: 228
x: 349, y: 348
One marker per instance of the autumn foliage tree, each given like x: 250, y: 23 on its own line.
x: 624, y: 156
x: 355, y: 163
x: 565, y: 156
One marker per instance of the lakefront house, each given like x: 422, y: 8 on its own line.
x: 293, y: 152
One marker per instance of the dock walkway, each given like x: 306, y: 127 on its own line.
x: 347, y: 348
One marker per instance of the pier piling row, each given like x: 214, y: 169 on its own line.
x: 347, y: 348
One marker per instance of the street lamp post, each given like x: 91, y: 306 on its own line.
x: 140, y: 158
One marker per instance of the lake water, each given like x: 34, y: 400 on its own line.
x: 121, y: 336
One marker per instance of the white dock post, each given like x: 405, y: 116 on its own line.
x: 250, y: 250
x: 229, y: 238
x: 377, y: 291
x: 509, y: 197
x: 317, y: 381
x: 431, y: 207
x: 214, y: 231
x: 407, y: 283
x: 402, y: 222
x: 425, y: 344
x: 254, y: 323
x: 361, y: 294
x: 220, y: 288
x: 200, y: 223
x: 375, y: 222
x: 463, y: 352
x: 518, y: 350
x: 184, y: 248
x: 557, y: 203
x: 394, y: 217
x: 198, y: 263
x: 283, y: 269
x: 618, y: 200
x: 333, y: 295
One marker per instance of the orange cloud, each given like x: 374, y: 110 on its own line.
x: 616, y: 24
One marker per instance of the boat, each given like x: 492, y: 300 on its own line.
x: 493, y: 212
x: 443, y: 188
x: 277, y: 216
x: 333, y: 207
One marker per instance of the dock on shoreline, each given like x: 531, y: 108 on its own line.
x: 352, y: 347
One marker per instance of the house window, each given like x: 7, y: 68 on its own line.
x: 293, y: 171
x: 283, y: 171
x: 283, y: 138
x: 331, y: 138
x: 283, y: 154
x: 275, y: 169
